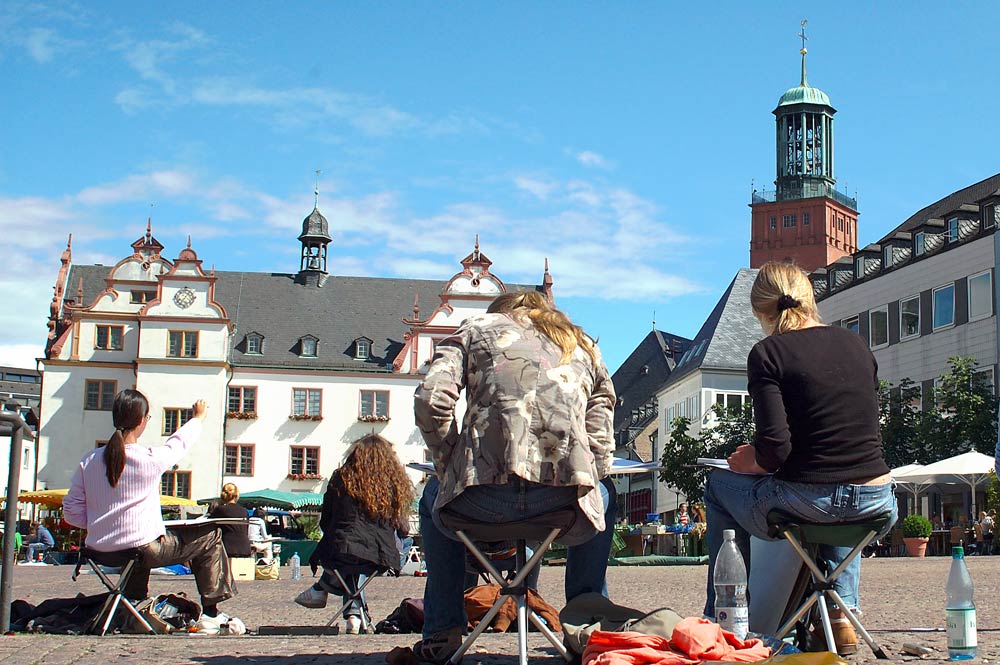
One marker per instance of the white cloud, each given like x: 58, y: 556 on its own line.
x: 21, y: 356
x: 39, y: 42
x: 538, y: 188
x: 143, y: 187
x: 592, y: 159
x: 148, y: 58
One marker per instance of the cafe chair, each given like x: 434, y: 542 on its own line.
x: 543, y: 529
x: 805, y: 539
x: 126, y: 560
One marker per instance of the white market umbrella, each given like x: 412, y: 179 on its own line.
x: 971, y: 468
x: 914, y: 488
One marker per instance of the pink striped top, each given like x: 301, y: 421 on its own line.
x: 119, y: 518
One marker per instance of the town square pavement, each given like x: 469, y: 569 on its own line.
x: 903, y: 601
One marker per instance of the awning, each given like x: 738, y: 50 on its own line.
x: 276, y: 499
x: 53, y: 498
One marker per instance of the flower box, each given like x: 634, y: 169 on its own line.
x: 242, y: 415
x: 303, y: 416
x: 304, y: 476
x: 373, y: 419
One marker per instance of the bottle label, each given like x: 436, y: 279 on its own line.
x: 961, y: 628
x: 734, y: 619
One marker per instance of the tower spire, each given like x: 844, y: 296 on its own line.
x: 316, y: 190
x: 802, y: 35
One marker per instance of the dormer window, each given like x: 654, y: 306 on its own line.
x: 918, y: 244
x: 859, y: 267
x: 991, y: 213
x: 887, y: 256
x: 308, y: 346
x: 255, y: 344
x: 953, y: 230
x: 362, y: 348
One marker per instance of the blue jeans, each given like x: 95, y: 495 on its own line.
x: 34, y: 548
x: 742, y: 502
x: 444, y: 604
x: 354, y: 571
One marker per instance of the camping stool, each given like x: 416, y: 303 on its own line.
x: 805, y: 539
x: 357, y: 594
x: 544, y: 528
x: 124, y: 559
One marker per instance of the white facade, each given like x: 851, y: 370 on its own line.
x: 158, y: 327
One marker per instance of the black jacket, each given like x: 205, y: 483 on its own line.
x: 347, y: 530
x: 235, y: 537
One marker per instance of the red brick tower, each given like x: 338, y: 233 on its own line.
x: 804, y: 219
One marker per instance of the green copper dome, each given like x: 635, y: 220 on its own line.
x: 804, y: 94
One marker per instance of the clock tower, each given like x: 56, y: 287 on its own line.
x: 805, y: 219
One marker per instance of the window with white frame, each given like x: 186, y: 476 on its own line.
x: 918, y: 244
x: 859, y: 267
x: 953, y: 230
x: 308, y: 346
x: 852, y: 324
x: 362, y: 348
x: 980, y: 295
x: 943, y: 298
x: 255, y: 344
x: 878, y: 327
x: 731, y: 401
x: 887, y: 256
x: 909, y: 317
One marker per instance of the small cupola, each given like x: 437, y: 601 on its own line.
x: 315, y: 238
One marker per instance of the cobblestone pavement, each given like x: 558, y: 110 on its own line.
x: 898, y: 596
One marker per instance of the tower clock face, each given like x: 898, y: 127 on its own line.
x: 184, y: 298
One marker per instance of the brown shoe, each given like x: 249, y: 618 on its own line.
x: 844, y: 636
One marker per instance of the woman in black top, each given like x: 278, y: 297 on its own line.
x: 367, y: 501
x: 818, y: 451
x: 235, y: 537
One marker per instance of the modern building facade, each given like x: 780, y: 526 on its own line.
x: 924, y: 292
x: 294, y: 366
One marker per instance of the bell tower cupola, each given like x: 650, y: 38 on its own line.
x: 315, y: 239
x: 804, y: 219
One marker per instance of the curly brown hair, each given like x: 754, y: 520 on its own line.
x: 373, y: 476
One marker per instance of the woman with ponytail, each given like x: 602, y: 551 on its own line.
x: 115, y: 496
x: 818, y: 451
x: 236, y: 537
x: 536, y: 438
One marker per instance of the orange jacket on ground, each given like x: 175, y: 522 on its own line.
x: 693, y: 640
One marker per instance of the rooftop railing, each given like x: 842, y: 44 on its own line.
x: 803, y: 191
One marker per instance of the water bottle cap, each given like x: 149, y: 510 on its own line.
x: 729, y: 534
x: 958, y: 552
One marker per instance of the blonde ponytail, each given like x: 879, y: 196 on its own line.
x: 782, y: 296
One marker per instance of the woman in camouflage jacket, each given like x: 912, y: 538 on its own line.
x: 536, y: 437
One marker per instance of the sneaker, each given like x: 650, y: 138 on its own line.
x: 235, y: 626
x: 353, y: 624
x: 312, y: 598
x: 439, y: 648
x: 211, y: 625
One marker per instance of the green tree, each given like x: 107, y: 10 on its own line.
x: 731, y: 429
x: 680, y: 452
x: 967, y: 409
x: 902, y: 423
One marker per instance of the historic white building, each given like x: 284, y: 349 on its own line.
x: 294, y: 366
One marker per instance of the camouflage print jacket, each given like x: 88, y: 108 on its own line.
x: 526, y: 414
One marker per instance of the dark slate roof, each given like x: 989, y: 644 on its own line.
x: 658, y: 353
x: 728, y: 334
x: 937, y: 210
x: 283, y: 309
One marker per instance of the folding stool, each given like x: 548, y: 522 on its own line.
x: 545, y: 528
x: 356, y: 594
x: 124, y: 559
x: 805, y: 539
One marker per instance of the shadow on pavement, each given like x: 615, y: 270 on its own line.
x: 295, y: 659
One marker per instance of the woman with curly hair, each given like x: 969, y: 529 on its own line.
x: 367, y: 502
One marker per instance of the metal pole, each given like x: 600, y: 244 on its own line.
x: 13, y: 418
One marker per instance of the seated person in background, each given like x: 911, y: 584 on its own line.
x: 115, y: 496
x: 537, y: 438
x: 41, y: 540
x: 818, y: 450
x: 260, y: 542
x: 17, y: 542
x: 366, y: 503
x: 235, y: 537
x: 683, y: 518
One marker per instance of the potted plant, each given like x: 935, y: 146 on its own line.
x: 916, y: 532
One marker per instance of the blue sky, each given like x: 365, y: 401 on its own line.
x: 617, y: 139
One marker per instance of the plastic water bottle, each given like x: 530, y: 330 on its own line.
x: 730, y: 580
x: 960, y: 610
x: 296, y: 565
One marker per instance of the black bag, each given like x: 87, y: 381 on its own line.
x: 407, y: 618
x: 58, y: 616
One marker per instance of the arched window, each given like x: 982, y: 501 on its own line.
x: 308, y: 346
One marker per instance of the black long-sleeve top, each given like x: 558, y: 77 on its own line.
x: 815, y: 402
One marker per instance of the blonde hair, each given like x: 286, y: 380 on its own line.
x: 782, y: 297
x: 548, y: 320
x: 230, y: 493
